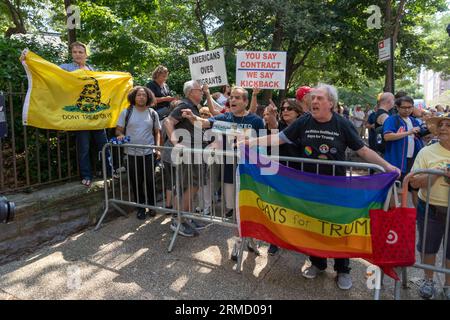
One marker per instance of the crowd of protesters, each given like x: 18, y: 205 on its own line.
x: 400, y: 137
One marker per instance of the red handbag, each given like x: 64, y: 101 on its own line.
x: 393, y: 237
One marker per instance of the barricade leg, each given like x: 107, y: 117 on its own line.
x: 404, y: 278
x: 397, y: 290
x: 105, y: 212
x: 242, y: 243
x: 102, y: 217
x: 174, y: 237
x: 121, y: 211
x: 178, y: 197
x: 378, y: 285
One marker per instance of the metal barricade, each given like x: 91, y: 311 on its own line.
x: 132, y: 172
x: 421, y: 265
x: 206, y: 174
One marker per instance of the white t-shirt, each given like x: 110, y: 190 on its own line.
x: 409, y: 125
x: 359, y: 114
x: 140, y: 129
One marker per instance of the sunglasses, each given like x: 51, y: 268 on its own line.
x: 286, y: 108
x: 205, y: 114
x: 443, y: 124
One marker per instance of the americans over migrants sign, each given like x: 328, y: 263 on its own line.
x: 209, y: 68
x: 261, y: 69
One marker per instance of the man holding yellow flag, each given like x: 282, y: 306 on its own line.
x: 75, y: 98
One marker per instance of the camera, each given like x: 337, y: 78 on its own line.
x: 7, y: 210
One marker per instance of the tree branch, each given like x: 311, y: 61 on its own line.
x: 16, y: 16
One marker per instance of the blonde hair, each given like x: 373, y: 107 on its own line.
x: 205, y: 110
x: 158, y: 71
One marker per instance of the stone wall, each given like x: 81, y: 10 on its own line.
x: 48, y: 216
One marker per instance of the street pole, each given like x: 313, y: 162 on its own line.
x: 71, y: 32
x: 391, y: 65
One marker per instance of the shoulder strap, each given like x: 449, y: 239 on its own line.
x: 127, y: 118
x: 152, y: 115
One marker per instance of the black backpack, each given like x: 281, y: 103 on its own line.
x: 379, y: 135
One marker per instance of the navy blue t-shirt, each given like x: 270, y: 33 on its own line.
x: 250, y: 121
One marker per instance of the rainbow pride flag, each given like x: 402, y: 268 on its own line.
x: 318, y: 215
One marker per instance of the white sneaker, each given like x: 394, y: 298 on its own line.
x: 310, y: 272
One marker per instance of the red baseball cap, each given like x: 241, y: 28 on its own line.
x: 301, y: 92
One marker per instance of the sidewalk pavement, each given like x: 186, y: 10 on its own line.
x: 128, y: 259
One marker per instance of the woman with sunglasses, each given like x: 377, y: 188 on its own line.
x: 289, y: 112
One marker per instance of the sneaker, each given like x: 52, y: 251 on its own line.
x: 185, y: 229
x: 205, y: 211
x: 310, y: 271
x: 141, y: 214
x: 199, y: 225
x: 446, y: 292
x: 229, y: 213
x: 344, y: 281
x: 427, y: 289
x: 151, y: 213
x: 273, y: 249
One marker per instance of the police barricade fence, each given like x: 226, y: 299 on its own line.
x: 201, y: 174
x: 425, y: 238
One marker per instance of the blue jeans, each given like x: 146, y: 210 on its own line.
x: 83, y: 143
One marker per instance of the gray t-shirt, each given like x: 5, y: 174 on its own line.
x: 140, y: 129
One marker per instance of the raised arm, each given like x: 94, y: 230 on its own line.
x: 254, y: 102
x: 209, y: 100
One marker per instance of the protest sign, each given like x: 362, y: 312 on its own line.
x: 209, y: 68
x: 264, y: 70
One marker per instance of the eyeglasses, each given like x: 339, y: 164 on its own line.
x: 205, y: 114
x: 286, y: 108
x: 405, y: 108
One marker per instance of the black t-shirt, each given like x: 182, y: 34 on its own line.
x: 287, y: 150
x: 184, y: 123
x: 163, y: 107
x: 326, y: 141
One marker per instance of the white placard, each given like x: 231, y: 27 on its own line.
x: 209, y: 67
x: 230, y: 128
x: 384, y: 50
x: 261, y: 69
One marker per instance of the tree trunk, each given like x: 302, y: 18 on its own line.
x: 277, y: 41
x: 71, y: 32
x: 392, y: 29
x: 388, y: 85
x: 291, y: 66
x: 201, y: 22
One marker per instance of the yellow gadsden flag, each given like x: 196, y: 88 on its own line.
x: 78, y: 100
